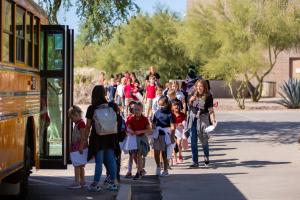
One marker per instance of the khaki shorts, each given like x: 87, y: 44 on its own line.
x: 149, y: 104
x: 159, y: 144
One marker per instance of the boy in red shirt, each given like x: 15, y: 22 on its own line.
x: 139, y: 125
x: 150, y: 95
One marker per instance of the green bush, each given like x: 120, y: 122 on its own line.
x: 290, y: 94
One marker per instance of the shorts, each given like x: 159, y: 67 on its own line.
x: 127, y: 101
x: 149, y: 104
x: 79, y: 159
x: 159, y: 143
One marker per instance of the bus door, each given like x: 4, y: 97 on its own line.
x: 57, y: 47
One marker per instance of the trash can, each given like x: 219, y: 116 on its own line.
x: 269, y: 89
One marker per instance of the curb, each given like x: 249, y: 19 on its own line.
x: 124, y: 192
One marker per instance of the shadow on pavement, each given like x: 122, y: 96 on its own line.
x: 275, y: 132
x: 200, y: 186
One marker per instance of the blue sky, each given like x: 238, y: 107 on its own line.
x: 148, y: 6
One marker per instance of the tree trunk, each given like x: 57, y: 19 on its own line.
x: 240, y: 96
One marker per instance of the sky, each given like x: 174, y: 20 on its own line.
x: 148, y: 6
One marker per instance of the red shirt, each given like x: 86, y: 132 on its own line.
x: 178, y: 119
x: 137, y: 124
x: 150, y: 89
x: 127, y: 91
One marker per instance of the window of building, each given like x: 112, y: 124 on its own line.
x: 36, y: 42
x: 8, y: 33
x: 20, y: 34
x: 29, y: 39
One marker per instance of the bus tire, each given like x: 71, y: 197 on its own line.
x: 23, y: 185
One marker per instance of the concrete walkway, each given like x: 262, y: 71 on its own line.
x: 254, y: 155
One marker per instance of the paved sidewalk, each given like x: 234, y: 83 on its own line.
x: 254, y: 155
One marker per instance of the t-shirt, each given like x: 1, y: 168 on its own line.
x: 120, y: 90
x: 163, y: 118
x: 155, y: 104
x: 180, y: 95
x: 157, y: 76
x: 202, y: 105
x: 97, y: 142
x: 150, y: 89
x: 76, y: 136
x: 127, y: 91
x: 112, y: 92
x: 179, y: 119
x: 137, y: 124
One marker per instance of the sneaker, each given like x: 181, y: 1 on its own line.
x: 180, y: 159
x: 112, y: 187
x: 128, y: 175
x: 137, y: 176
x: 143, y: 172
x: 74, y: 186
x: 106, y: 181
x: 206, y: 160
x: 164, y: 173
x: 158, y: 171
x: 83, y: 185
x: 195, y: 165
x: 94, y: 187
x: 174, y: 161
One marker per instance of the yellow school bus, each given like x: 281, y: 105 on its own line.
x: 36, y: 76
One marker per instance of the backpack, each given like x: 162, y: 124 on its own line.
x: 105, y: 119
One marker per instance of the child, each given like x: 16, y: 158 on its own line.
x: 159, y: 93
x: 179, y: 95
x: 111, y: 90
x: 128, y: 145
x: 78, y: 147
x: 150, y: 95
x: 179, y: 120
x: 163, y: 134
x: 139, y: 125
x: 127, y: 95
x: 119, y: 98
x: 174, y: 99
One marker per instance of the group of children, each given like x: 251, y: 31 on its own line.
x: 154, y: 117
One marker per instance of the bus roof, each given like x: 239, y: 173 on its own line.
x: 35, y: 9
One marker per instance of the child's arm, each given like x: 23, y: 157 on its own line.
x: 82, y: 140
x: 129, y: 130
x: 147, y: 130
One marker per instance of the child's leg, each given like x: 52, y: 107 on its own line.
x: 77, y: 174
x: 179, y: 143
x: 165, y: 159
x: 139, y: 162
x: 157, y: 157
x: 82, y: 175
x: 174, y: 156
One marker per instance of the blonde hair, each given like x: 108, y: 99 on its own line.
x: 171, y: 92
x: 74, y: 110
x: 176, y: 83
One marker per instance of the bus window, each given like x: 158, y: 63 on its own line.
x: 29, y: 39
x: 8, y: 34
x: 20, y: 19
x: 36, y: 43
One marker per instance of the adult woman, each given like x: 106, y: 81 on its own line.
x: 201, y: 109
x: 101, y: 147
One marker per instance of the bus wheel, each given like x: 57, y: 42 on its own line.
x: 23, y: 185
